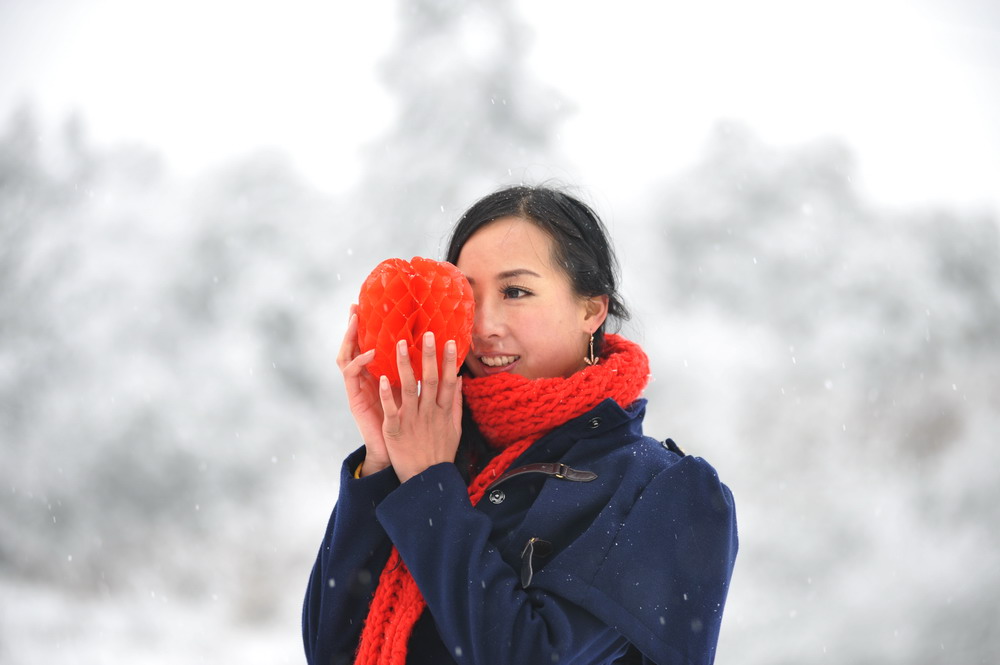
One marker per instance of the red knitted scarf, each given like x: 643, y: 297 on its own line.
x: 512, y: 413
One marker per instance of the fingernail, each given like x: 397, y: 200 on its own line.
x: 429, y: 340
x: 401, y: 345
x: 383, y: 382
x: 450, y: 348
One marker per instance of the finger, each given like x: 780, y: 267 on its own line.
x: 390, y: 412
x: 349, y: 347
x: 354, y: 367
x: 407, y: 382
x: 429, y: 368
x: 358, y: 382
x: 449, y: 378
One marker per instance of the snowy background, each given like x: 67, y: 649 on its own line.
x: 805, y: 200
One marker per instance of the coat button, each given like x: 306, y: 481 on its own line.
x: 497, y: 496
x: 594, y: 423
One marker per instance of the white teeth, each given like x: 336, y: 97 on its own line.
x: 498, y: 361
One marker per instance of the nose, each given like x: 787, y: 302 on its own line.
x: 487, y: 322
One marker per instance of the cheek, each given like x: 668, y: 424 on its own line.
x: 548, y: 329
x: 538, y: 323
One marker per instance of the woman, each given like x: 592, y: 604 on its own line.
x: 512, y: 511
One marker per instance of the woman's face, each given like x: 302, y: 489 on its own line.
x: 528, y: 319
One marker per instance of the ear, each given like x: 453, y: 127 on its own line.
x: 595, y: 312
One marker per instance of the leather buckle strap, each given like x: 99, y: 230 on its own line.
x: 553, y: 469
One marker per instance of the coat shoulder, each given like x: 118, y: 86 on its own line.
x: 638, y: 457
x: 656, y: 562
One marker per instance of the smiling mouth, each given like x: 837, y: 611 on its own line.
x: 498, y: 361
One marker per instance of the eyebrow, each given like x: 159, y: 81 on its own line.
x: 508, y: 274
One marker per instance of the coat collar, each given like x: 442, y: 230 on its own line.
x: 595, y: 426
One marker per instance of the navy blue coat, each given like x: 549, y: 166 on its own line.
x: 630, y: 566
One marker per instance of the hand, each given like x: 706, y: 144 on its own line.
x: 363, y: 397
x: 424, y: 427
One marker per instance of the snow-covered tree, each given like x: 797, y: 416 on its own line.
x: 854, y: 351
x: 469, y: 118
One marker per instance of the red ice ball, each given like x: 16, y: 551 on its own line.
x: 403, y: 300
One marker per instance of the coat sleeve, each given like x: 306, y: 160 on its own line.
x: 350, y: 559
x: 482, y: 613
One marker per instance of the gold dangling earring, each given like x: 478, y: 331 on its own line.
x: 591, y: 359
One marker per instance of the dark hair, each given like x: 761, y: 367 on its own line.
x: 581, y: 244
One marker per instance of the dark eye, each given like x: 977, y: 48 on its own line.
x: 515, y: 292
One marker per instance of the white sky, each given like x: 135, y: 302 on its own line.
x: 911, y: 85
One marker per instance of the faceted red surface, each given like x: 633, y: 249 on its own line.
x: 403, y: 300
